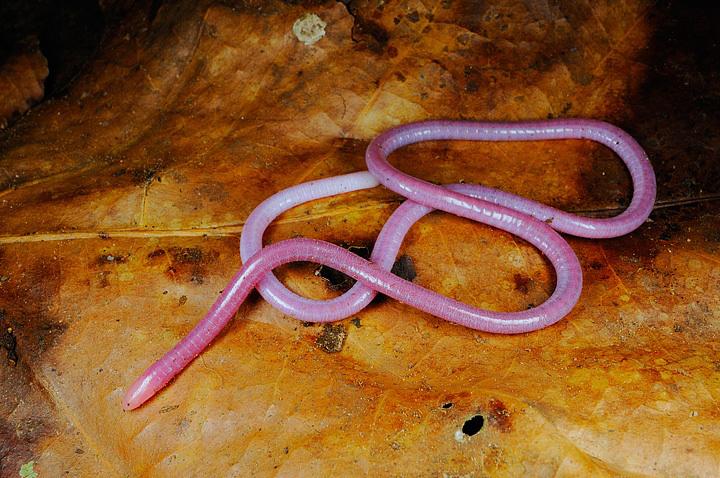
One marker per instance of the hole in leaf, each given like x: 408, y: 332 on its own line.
x: 473, y: 425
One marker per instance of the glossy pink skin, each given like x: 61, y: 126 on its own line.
x: 427, y: 194
x: 374, y: 277
x: 384, y: 251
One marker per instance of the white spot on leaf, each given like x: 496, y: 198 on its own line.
x: 309, y: 28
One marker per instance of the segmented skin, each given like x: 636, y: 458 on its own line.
x: 532, y: 221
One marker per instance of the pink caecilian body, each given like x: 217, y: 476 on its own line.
x: 536, y: 223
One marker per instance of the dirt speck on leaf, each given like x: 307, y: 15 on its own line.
x: 499, y: 415
x: 332, y: 338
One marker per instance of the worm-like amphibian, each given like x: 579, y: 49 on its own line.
x: 532, y: 221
